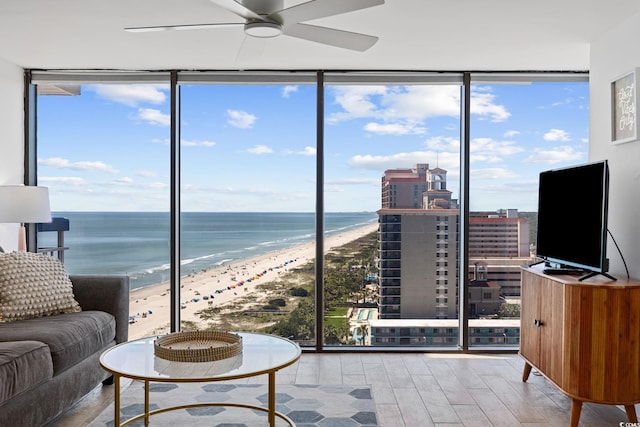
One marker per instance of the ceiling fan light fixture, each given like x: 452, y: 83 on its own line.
x: 262, y: 29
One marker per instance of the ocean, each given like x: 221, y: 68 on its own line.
x: 137, y: 243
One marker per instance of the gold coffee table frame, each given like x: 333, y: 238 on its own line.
x: 261, y: 354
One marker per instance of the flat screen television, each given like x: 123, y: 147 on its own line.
x: 572, y: 218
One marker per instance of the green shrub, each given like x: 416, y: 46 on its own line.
x: 278, y: 302
x: 299, y: 292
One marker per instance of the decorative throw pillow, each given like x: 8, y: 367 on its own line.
x: 33, y: 285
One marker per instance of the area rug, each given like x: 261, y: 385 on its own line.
x: 305, y: 405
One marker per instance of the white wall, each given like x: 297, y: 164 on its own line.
x: 11, y: 139
x: 613, y: 54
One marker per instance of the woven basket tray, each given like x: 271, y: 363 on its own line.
x: 198, y: 346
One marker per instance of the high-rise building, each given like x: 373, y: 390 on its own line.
x: 418, y: 262
x: 500, y: 241
x: 498, y: 234
x: 403, y: 188
x: 418, y: 252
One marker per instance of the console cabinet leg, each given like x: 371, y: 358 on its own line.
x: 576, y: 407
x: 526, y: 372
x: 631, y: 413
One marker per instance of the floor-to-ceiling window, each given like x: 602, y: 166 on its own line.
x: 392, y: 153
x: 102, y: 151
x: 248, y: 177
x: 517, y: 130
x: 364, y: 166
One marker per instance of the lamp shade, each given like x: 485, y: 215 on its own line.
x: 24, y: 204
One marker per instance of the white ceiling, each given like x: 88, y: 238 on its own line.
x: 414, y: 35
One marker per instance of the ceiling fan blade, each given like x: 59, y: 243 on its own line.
x: 320, y: 9
x: 331, y: 36
x: 237, y: 8
x: 181, y: 27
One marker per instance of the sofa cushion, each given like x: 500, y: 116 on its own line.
x: 23, y: 365
x: 33, y: 285
x: 70, y: 337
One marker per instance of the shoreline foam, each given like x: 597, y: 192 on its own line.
x: 150, y: 305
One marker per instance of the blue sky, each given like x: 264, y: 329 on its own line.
x: 252, y: 147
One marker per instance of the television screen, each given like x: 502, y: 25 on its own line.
x: 572, y: 216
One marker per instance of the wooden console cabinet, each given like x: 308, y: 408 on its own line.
x: 584, y: 337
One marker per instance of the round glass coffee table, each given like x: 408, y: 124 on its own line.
x: 261, y: 354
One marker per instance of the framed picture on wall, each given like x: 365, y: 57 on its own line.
x: 624, y: 105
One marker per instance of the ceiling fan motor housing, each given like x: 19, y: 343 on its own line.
x: 262, y: 29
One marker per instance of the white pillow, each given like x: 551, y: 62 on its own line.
x: 33, y: 285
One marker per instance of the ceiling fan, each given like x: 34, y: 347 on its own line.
x: 268, y: 18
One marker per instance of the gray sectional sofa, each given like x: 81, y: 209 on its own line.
x: 47, y: 364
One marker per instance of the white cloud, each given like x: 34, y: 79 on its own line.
x: 288, y: 90
x: 555, y: 155
x: 188, y: 143
x: 447, y: 161
x: 260, y: 149
x: 557, y: 135
x: 420, y: 102
x: 443, y: 143
x: 132, y: 94
x: 493, y: 147
x: 308, y: 151
x: 405, y: 108
x: 483, y: 104
x: 124, y: 181
x: 390, y: 103
x: 356, y: 101
x: 129, y: 182
x: 152, y: 116
x: 482, y: 149
x: 60, y: 163
x: 64, y: 180
x: 395, y: 128
x: 511, y: 133
x: 240, y: 119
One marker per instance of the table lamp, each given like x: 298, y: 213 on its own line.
x: 24, y: 204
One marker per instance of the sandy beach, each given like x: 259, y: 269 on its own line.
x: 218, y: 286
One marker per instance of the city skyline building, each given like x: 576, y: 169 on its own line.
x: 418, y: 249
x: 442, y: 332
x: 418, y: 262
x: 416, y: 188
x: 499, y: 241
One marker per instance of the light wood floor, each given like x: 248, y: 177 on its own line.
x: 420, y: 390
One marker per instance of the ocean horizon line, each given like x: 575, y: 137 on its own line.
x: 137, y: 243
x: 208, y: 212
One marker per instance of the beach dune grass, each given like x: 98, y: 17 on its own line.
x: 345, y: 270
